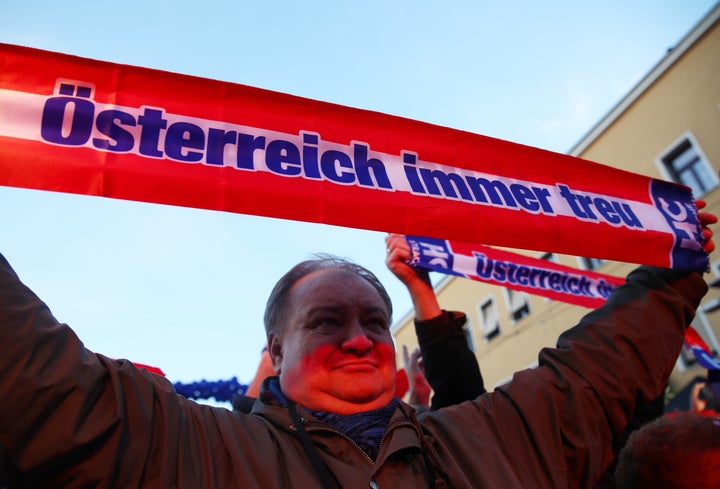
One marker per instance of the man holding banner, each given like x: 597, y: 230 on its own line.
x: 72, y: 418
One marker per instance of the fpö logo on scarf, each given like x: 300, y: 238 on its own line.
x: 83, y: 126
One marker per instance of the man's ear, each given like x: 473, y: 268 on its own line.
x: 275, y: 351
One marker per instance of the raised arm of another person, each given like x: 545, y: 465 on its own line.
x: 450, y: 366
x: 419, y: 388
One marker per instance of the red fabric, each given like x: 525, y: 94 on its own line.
x: 82, y: 126
x: 154, y: 370
x: 401, y: 383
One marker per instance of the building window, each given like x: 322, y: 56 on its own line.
x: 549, y: 256
x: 490, y: 319
x: 715, y: 282
x: 518, y: 304
x: 590, y: 263
x: 684, y: 163
x: 715, y: 267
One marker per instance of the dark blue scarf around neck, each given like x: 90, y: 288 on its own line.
x: 365, y: 428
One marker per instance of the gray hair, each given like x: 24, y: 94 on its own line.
x: 275, y: 309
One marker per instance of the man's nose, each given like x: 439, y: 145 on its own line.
x: 356, y: 339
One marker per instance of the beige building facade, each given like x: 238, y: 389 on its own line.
x: 668, y: 127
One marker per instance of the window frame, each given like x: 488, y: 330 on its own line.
x: 589, y: 263
x: 495, y: 332
x: 469, y: 333
x: 664, y: 162
x: 509, y: 294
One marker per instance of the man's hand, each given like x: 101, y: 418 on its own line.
x: 419, y: 388
x: 416, y: 281
x: 706, y: 218
x: 398, y: 256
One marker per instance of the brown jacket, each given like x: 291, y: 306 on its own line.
x: 72, y: 418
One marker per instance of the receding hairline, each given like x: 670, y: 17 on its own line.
x: 276, y: 306
x: 382, y: 306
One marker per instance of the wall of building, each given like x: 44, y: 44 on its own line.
x: 679, y: 98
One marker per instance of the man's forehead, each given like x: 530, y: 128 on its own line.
x: 328, y: 276
x: 332, y: 286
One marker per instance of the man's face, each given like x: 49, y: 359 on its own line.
x: 334, y: 352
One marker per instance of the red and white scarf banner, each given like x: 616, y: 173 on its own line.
x: 77, y: 125
x: 513, y: 270
x: 695, y: 343
x: 533, y: 276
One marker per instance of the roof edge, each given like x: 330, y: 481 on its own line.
x: 673, y: 54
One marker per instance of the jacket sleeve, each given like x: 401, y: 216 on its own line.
x: 450, y: 366
x: 585, y: 390
x: 70, y: 417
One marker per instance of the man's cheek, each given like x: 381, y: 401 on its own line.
x: 387, y: 354
x: 386, y: 351
x: 311, y: 362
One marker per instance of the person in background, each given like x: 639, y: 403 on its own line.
x: 676, y: 451
x: 705, y: 396
x: 244, y: 402
x: 264, y: 370
x: 449, y: 365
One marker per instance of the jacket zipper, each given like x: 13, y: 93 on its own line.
x: 391, y: 427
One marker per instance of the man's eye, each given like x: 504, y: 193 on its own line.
x: 325, y: 322
x: 378, y: 322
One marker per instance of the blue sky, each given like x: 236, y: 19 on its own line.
x: 184, y: 289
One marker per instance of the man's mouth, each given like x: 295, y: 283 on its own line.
x: 357, y: 364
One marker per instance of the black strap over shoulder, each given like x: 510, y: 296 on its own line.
x: 437, y: 473
x: 326, y: 478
